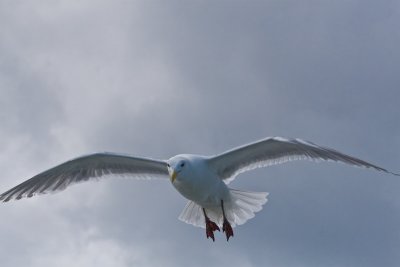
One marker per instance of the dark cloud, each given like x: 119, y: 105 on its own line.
x: 156, y: 79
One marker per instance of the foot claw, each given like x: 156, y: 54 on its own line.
x: 227, y: 228
x: 210, y: 228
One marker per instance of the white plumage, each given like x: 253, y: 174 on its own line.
x: 201, y: 179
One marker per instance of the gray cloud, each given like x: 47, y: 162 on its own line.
x: 156, y: 79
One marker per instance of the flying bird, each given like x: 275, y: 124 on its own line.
x: 203, y: 180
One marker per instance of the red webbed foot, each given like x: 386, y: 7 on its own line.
x: 227, y: 228
x: 210, y: 228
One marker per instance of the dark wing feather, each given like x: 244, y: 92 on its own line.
x: 86, y: 168
x: 276, y: 150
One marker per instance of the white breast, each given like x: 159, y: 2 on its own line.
x: 199, y: 184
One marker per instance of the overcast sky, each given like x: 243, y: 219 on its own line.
x: 159, y: 78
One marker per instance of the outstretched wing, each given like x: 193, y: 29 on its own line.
x: 276, y: 150
x: 85, y: 168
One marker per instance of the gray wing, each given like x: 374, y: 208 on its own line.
x: 86, y: 168
x: 276, y: 150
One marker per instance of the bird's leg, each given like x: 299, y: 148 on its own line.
x: 210, y: 226
x: 226, y: 227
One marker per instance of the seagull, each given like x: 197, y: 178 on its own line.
x: 203, y: 180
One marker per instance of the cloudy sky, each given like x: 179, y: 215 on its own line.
x: 160, y: 78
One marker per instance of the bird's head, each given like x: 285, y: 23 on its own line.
x: 176, y: 166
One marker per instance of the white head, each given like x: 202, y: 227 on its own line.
x: 176, y: 167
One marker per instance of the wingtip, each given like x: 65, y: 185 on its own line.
x: 4, y: 199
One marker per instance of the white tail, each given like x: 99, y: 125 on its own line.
x: 242, y: 206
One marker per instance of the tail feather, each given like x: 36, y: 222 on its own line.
x: 192, y: 214
x: 242, y: 206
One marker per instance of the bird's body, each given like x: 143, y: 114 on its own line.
x: 199, y: 183
x: 201, y: 179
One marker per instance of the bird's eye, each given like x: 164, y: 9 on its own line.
x: 168, y: 165
x: 182, y: 164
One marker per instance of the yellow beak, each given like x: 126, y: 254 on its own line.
x: 173, y: 176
